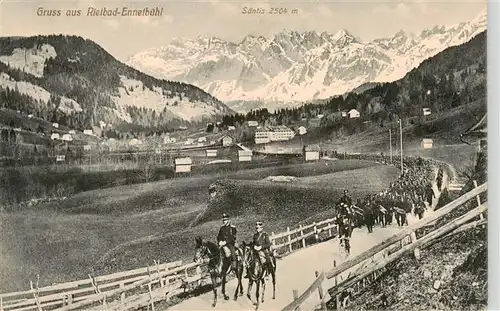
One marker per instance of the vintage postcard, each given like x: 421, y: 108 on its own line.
x: 243, y: 155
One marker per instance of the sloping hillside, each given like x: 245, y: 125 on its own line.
x: 75, y: 82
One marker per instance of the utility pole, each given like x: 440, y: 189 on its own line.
x: 390, y: 145
x: 401, y: 143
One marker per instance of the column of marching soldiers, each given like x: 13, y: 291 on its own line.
x: 412, y: 192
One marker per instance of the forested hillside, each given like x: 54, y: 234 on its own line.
x: 75, y: 82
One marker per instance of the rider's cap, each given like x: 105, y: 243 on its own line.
x: 225, y: 216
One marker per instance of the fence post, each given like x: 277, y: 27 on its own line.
x: 289, y: 239
x: 416, y: 252
x: 149, y: 290
x: 295, y: 297
x: 158, y: 271
x: 302, y: 237
x: 273, y: 242
x: 122, y: 295
x: 330, y: 233
x: 337, y: 295
x: 320, y: 292
x: 478, y: 199
x: 316, y: 237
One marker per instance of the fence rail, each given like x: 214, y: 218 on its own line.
x: 406, y: 241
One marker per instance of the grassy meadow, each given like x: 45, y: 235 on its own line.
x: 125, y: 227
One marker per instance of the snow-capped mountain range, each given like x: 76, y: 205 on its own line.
x: 294, y: 67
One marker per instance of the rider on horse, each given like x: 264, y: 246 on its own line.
x: 346, y: 199
x: 227, y: 238
x: 262, y: 245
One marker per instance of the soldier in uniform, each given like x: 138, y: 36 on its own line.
x: 227, y: 237
x: 262, y: 243
x: 368, y: 215
x: 345, y: 199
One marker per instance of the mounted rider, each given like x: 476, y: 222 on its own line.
x: 262, y: 244
x: 344, y: 204
x: 227, y: 239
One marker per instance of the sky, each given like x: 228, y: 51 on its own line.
x: 123, y: 36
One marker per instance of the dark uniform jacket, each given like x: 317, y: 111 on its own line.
x: 345, y: 199
x: 262, y: 239
x: 227, y: 233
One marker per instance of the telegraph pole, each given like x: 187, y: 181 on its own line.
x: 390, y: 145
x: 401, y: 143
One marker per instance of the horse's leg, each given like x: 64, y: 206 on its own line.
x: 236, y: 272
x: 239, y: 273
x: 240, y: 278
x: 263, y: 289
x: 250, y: 283
x: 224, y: 275
x: 257, y: 292
x: 214, y: 288
x: 274, y: 281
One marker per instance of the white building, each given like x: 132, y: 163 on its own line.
x: 273, y: 133
x: 56, y: 125
x: 353, y: 113
x: 169, y: 140
x: 320, y: 116
x: 244, y: 155
x: 227, y: 141
x: 301, y: 130
x: 135, y: 142
x: 55, y: 136
x: 72, y: 132
x: 426, y: 111
x: 202, y: 139
x: 253, y: 123
x: 86, y: 147
x: 183, y: 165
x: 311, y: 153
x: 188, y: 141
x: 427, y: 143
x: 211, y: 153
x: 281, y: 132
x: 262, y: 136
x: 67, y: 137
x: 88, y: 132
x: 231, y: 128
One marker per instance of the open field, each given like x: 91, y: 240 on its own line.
x: 125, y: 227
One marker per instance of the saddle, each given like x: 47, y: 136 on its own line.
x: 227, y: 252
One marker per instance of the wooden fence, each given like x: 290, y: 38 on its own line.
x: 372, y: 262
x: 128, y: 289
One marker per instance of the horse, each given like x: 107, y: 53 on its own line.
x: 257, y: 273
x: 219, y: 266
